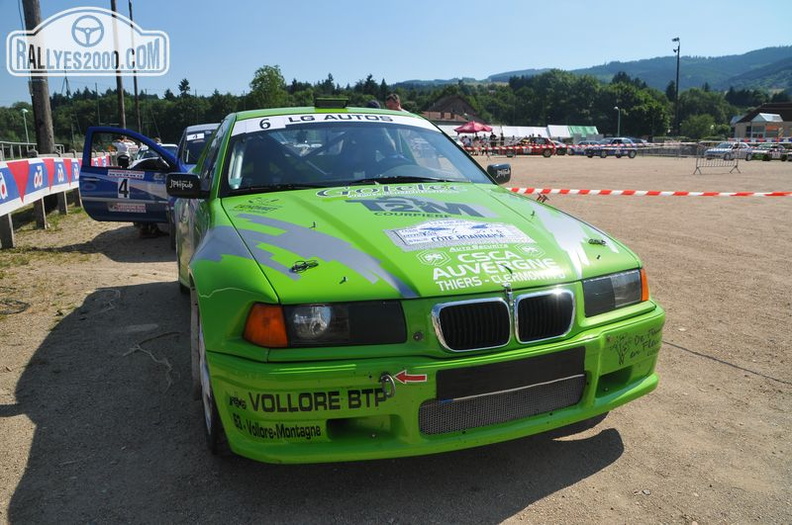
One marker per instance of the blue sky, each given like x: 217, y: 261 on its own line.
x: 220, y: 44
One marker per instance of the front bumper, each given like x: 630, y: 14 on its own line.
x: 394, y: 407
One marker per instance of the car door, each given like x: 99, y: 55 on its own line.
x: 115, y: 188
x: 192, y: 217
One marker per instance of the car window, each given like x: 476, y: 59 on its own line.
x: 342, y: 153
x: 210, y: 156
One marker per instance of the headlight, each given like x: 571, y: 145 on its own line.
x: 275, y: 326
x: 312, y: 322
x: 603, y: 294
x: 317, y: 323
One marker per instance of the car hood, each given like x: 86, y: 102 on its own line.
x: 413, y: 240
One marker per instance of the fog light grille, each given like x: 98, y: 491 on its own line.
x: 439, y: 417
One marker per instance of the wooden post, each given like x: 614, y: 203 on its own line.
x: 6, y: 232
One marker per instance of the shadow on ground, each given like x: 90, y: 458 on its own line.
x: 123, y: 244
x: 119, y: 439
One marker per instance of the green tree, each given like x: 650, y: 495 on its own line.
x: 184, y: 87
x: 697, y: 126
x: 268, y: 88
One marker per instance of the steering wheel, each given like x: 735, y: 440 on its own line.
x: 392, y: 161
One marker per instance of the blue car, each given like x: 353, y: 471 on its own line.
x: 114, y: 189
x: 111, y: 190
x: 192, y: 143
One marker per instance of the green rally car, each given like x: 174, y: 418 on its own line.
x: 361, y: 288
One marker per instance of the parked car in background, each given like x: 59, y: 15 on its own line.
x: 770, y: 151
x: 560, y: 147
x: 117, y: 191
x: 136, y: 192
x: 192, y: 142
x: 581, y: 147
x: 147, y: 158
x: 615, y: 146
x: 537, y: 146
x: 728, y: 151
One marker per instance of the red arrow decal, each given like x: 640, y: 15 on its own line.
x: 403, y: 377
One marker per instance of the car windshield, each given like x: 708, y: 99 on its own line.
x: 193, y: 147
x: 148, y: 153
x: 322, y: 154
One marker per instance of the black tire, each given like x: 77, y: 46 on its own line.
x: 589, y: 155
x: 547, y: 153
x: 195, y: 363
x: 632, y: 154
x: 184, y: 290
x: 216, y: 440
x: 171, y: 234
x: 618, y: 155
x: 603, y: 154
x: 749, y: 157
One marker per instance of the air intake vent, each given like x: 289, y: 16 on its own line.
x: 545, y: 315
x: 473, y: 325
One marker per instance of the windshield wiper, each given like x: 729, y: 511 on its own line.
x: 397, y: 179
x: 264, y: 188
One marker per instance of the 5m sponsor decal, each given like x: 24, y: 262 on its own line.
x: 87, y: 41
x: 419, y: 207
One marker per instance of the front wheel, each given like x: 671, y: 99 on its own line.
x: 631, y: 154
x: 213, y: 428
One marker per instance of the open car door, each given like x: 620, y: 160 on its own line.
x: 115, y: 186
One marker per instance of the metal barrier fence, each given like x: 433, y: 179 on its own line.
x: 27, y: 182
x: 705, y: 159
x: 19, y: 150
x: 668, y: 149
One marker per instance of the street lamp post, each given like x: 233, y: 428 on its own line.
x: 618, y: 121
x: 24, y: 119
x: 676, y: 87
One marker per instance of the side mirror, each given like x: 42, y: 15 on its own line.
x: 185, y: 186
x: 500, y: 173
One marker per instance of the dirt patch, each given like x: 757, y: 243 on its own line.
x: 97, y: 424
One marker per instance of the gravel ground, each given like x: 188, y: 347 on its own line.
x: 97, y: 424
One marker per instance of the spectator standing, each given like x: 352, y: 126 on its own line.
x: 393, y: 102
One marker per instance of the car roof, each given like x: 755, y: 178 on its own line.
x: 258, y: 113
x: 201, y: 127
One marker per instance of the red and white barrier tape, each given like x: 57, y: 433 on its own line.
x: 650, y: 193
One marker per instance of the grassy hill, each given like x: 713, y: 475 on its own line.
x: 767, y: 69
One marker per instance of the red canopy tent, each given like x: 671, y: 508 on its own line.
x: 472, y: 127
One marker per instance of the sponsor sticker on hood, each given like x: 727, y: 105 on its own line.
x: 454, y: 232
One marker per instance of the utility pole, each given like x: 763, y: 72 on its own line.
x: 39, y: 89
x: 119, y: 80
x: 134, y: 75
x: 676, y: 90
